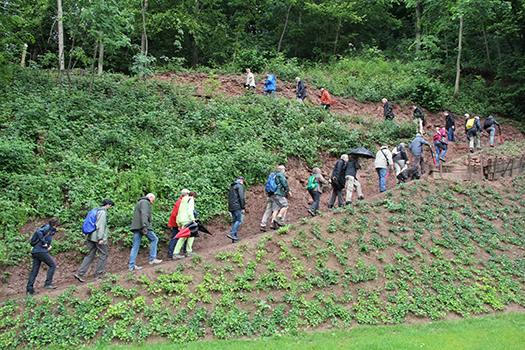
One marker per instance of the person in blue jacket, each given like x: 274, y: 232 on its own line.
x: 41, y: 242
x: 270, y: 85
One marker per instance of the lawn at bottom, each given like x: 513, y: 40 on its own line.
x: 503, y: 331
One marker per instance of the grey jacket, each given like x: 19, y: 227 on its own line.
x: 416, y: 146
x: 142, y: 215
x: 101, y: 232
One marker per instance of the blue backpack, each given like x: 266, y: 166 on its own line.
x: 89, y: 226
x: 271, y: 184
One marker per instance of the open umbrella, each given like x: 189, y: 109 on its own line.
x: 361, y: 152
x: 203, y: 228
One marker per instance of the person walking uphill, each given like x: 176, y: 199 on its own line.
x: 489, y: 125
x: 382, y: 163
x: 41, y: 243
x: 96, y: 240
x: 450, y: 125
x: 185, y: 218
x: 419, y: 118
x: 338, y: 182
x: 250, y: 80
x: 388, y: 109
x: 314, y: 187
x: 270, y: 85
x: 351, y: 179
x: 400, y: 158
x: 141, y: 226
x: 280, y: 201
x: 326, y: 99
x: 236, y: 206
x: 473, y: 131
x: 416, y: 148
x: 172, y: 224
x: 300, y: 90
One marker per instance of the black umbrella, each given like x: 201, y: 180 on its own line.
x: 361, y: 152
x: 203, y: 228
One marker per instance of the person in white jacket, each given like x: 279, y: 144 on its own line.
x: 250, y: 80
x: 382, y: 163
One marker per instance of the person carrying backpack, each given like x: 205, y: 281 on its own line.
x: 400, y: 159
x: 96, y: 230
x: 172, y: 225
x: 326, y: 99
x: 416, y: 148
x: 338, y: 182
x: 300, y: 90
x: 186, y: 218
x: 237, y: 207
x: 351, y: 179
x: 489, y: 125
x: 314, y: 187
x: 141, y: 225
x: 388, y: 109
x: 450, y: 125
x: 382, y: 163
x: 473, y: 130
x: 419, y: 118
x: 280, y: 201
x: 270, y: 85
x: 41, y: 243
x: 440, y: 144
x: 269, y: 188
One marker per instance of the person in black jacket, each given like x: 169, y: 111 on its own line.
x: 300, y: 90
x: 450, y: 125
x: 351, y: 179
x: 338, y: 182
x: 41, y: 242
x: 388, y: 109
x: 236, y: 206
x: 419, y: 118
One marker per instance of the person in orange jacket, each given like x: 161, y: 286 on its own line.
x: 326, y: 99
x: 172, y: 224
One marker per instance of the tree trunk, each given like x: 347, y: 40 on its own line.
x: 100, y: 58
x: 418, y: 26
x: 458, y: 62
x: 487, y: 51
x: 60, y: 37
x: 144, y: 40
x: 24, y: 54
x: 284, y: 28
x: 195, y: 48
x: 337, y: 31
x: 95, y: 50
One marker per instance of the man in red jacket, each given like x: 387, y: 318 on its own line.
x: 172, y: 223
x: 326, y: 99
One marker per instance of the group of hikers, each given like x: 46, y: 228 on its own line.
x: 183, y: 221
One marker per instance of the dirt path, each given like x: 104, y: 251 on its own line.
x: 297, y: 173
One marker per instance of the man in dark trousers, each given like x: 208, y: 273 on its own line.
x: 388, y: 109
x: 41, y: 242
x: 300, y: 90
x: 237, y: 207
x: 338, y: 182
x: 450, y: 125
x: 97, y: 241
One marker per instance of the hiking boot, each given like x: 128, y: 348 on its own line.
x: 471, y: 150
x: 155, y: 262
x: 348, y: 203
x: 178, y: 257
x: 491, y: 145
x: 230, y: 237
x: 442, y: 159
x: 79, y: 278
x: 311, y: 212
x: 30, y: 294
x: 50, y: 286
x: 263, y: 228
x: 136, y: 268
x: 361, y: 198
x: 191, y: 254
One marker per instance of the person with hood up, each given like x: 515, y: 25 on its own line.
x: 419, y: 118
x: 490, y: 126
x: 352, y: 183
x: 416, y: 148
x: 250, y: 80
x: 326, y: 99
x: 450, y: 125
x: 300, y: 90
x: 314, y: 187
x: 383, y: 163
x: 338, y: 182
x: 270, y: 85
x: 185, y: 218
x: 236, y: 206
x: 141, y: 225
x: 400, y: 158
x: 388, y: 109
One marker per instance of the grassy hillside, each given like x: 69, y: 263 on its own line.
x: 65, y: 147
x: 423, y: 251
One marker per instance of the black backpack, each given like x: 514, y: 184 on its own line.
x: 34, y: 239
x: 488, y: 122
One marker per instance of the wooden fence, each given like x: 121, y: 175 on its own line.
x: 481, y: 166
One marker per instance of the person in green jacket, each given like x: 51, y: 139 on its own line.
x: 280, y: 201
x: 97, y: 242
x: 141, y: 226
x: 186, y: 216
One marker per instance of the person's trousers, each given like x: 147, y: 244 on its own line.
x: 351, y: 184
x: 492, y: 133
x: 381, y: 173
x: 336, y: 193
x: 399, y: 166
x: 93, y: 249
x: 450, y: 134
x: 237, y: 219
x: 325, y: 106
x: 419, y: 125
x: 137, y: 238
x: 38, y: 259
x: 474, y: 141
x: 173, y: 242
x: 267, y: 211
x: 181, y: 241
x: 316, y: 200
x: 418, y: 165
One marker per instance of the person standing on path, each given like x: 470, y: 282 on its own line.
x: 473, y: 131
x: 270, y: 85
x: 490, y: 126
x: 186, y: 218
x: 97, y: 241
x: 300, y: 90
x: 450, y: 125
x: 172, y: 224
x: 280, y: 201
x: 237, y: 207
x: 142, y: 226
x: 383, y: 163
x: 388, y: 109
x: 41, y: 243
x: 419, y: 118
x: 351, y: 179
x: 440, y: 144
x: 314, y: 187
x: 250, y: 80
x: 338, y: 182
x: 326, y: 99
x: 400, y: 158
x: 416, y: 148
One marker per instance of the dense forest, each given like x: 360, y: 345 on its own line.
x: 465, y: 44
